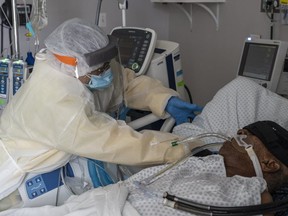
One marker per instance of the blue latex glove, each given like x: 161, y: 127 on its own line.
x: 181, y: 111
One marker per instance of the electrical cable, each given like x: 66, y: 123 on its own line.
x: 189, y: 94
x: 6, y: 21
x: 272, y: 25
x: 58, y: 187
x: 2, y: 39
x: 11, y: 42
x: 98, y: 10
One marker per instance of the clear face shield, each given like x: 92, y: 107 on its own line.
x: 105, y: 81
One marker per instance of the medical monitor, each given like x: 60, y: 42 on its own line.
x: 262, y: 61
x: 136, y: 47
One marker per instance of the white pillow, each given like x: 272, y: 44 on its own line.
x: 237, y: 104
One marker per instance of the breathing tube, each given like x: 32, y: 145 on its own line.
x: 202, y: 209
x: 152, y: 178
x: 200, y: 136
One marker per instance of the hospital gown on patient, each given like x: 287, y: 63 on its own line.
x: 202, y: 180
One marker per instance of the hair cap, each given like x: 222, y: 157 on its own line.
x: 75, y: 38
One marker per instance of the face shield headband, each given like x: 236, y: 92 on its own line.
x: 273, y: 136
x: 103, y: 55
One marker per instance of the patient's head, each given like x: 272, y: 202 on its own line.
x: 270, y: 143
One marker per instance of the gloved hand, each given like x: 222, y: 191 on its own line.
x: 181, y: 111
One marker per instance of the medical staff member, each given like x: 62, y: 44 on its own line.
x: 60, y: 111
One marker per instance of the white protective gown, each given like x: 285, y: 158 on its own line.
x: 52, y: 117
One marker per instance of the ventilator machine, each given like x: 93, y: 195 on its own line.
x: 166, y: 66
x: 143, y: 53
x: 266, y: 62
x: 136, y: 47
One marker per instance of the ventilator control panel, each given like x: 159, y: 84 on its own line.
x: 136, y: 47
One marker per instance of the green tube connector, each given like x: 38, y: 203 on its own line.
x: 174, y: 143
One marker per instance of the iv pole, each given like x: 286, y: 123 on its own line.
x: 15, y: 30
x: 123, y: 5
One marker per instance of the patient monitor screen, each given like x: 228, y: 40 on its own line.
x: 133, y: 45
x: 258, y: 61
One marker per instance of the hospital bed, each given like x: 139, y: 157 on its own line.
x: 236, y: 105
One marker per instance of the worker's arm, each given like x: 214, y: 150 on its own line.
x: 53, y: 113
x: 145, y: 93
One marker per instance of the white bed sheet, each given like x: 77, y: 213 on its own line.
x: 108, y: 201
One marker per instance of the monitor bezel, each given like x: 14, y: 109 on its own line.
x: 278, y: 63
x: 244, y: 59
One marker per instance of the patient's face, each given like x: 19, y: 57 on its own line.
x: 236, y: 159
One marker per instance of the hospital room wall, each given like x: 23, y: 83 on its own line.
x: 210, y: 58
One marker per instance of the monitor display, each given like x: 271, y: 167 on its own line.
x: 258, y: 60
x: 135, y: 46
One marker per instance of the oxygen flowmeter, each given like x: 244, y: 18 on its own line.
x: 5, y: 65
x: 19, y: 75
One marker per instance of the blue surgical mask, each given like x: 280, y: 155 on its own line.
x: 102, y: 81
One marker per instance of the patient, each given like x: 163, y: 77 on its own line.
x: 204, y: 179
x: 270, y: 143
